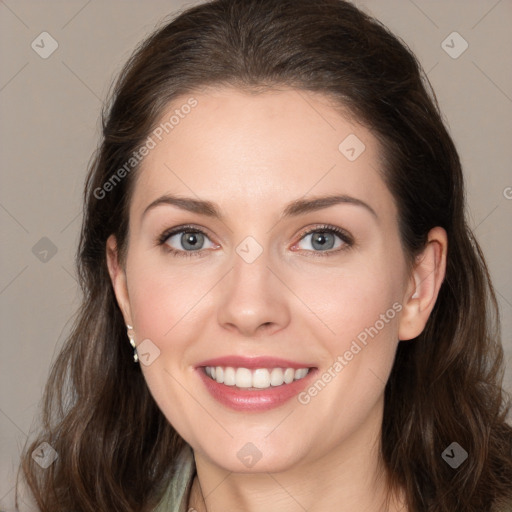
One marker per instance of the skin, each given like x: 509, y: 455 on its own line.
x: 251, y: 155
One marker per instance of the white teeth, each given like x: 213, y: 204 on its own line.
x: 229, y: 376
x: 276, y: 377
x: 289, y: 375
x: 261, y: 378
x: 243, y: 378
x: 299, y: 374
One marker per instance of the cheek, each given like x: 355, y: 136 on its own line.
x: 364, y: 304
x: 362, y: 311
x: 361, y: 308
x: 161, y: 290
x: 165, y: 310
x: 356, y: 298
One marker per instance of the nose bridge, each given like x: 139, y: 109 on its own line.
x: 251, y: 264
x: 251, y: 294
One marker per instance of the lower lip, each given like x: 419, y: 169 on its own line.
x: 256, y: 400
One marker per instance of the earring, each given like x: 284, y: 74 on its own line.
x: 132, y: 343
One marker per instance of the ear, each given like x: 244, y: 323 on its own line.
x: 426, y: 279
x: 118, y: 278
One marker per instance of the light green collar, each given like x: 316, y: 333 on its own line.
x: 176, y: 496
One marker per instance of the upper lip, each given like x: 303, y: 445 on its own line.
x: 253, y: 362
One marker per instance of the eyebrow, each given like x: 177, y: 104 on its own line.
x: 292, y: 209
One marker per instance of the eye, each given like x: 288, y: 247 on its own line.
x: 323, y: 238
x: 187, y: 241
x: 184, y: 241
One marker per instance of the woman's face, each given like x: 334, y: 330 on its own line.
x: 256, y: 285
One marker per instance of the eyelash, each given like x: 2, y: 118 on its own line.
x: 324, y: 228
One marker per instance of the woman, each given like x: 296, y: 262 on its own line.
x: 274, y: 221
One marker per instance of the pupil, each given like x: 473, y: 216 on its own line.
x: 190, y: 240
x: 321, y: 240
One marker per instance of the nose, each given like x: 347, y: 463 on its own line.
x: 254, y: 300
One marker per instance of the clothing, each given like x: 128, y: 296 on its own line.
x: 176, y: 496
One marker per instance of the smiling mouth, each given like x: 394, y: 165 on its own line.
x: 257, y: 379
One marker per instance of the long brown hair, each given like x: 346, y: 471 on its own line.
x: 115, y: 447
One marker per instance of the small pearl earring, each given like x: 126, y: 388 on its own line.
x: 132, y: 343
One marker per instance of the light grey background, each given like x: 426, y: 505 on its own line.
x: 50, y: 124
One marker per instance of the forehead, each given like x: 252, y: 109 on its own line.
x: 236, y: 147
